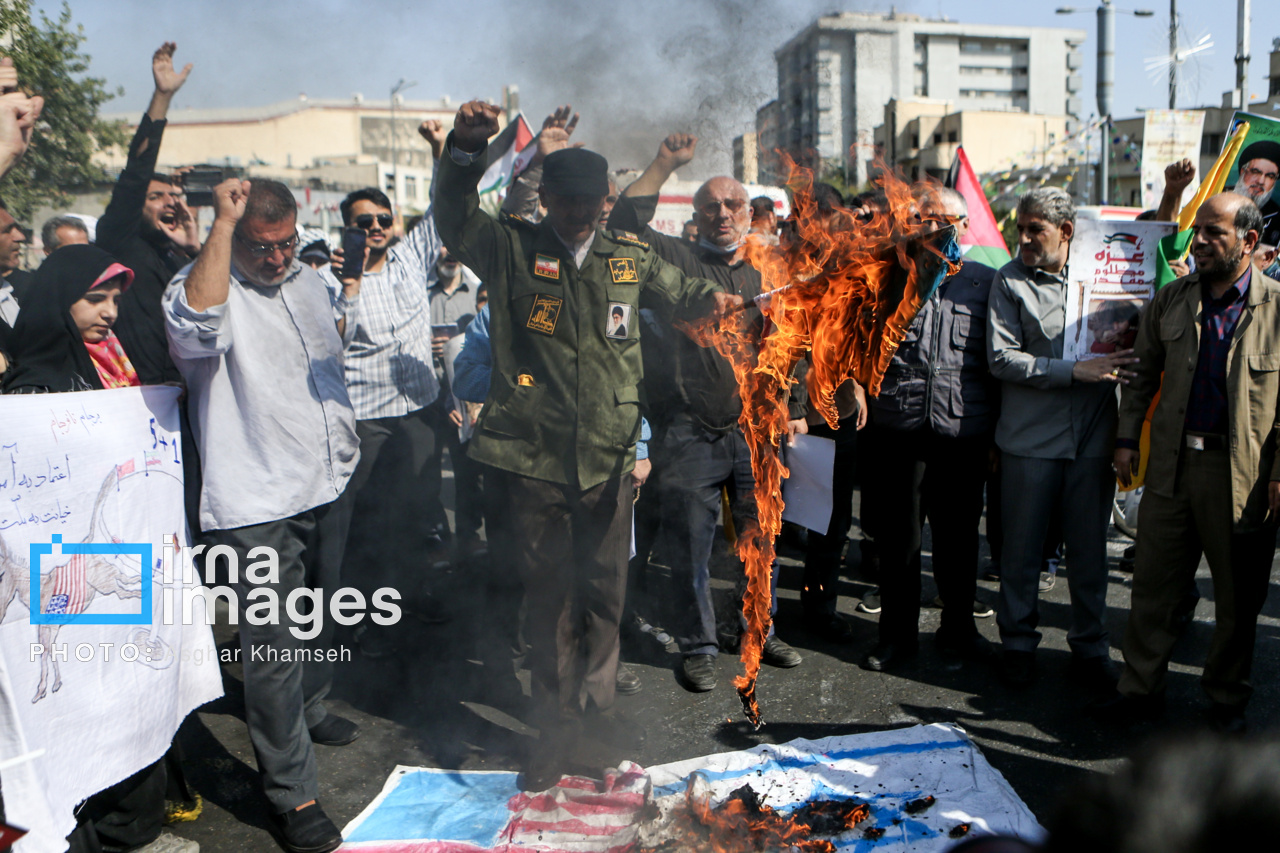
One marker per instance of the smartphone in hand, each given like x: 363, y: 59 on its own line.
x: 353, y: 242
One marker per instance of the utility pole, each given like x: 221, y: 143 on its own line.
x: 1242, y: 52
x: 1106, y: 83
x: 395, y: 151
x: 1173, y: 54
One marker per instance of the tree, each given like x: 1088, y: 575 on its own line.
x: 50, y: 63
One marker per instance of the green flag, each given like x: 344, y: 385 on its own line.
x: 1171, y: 248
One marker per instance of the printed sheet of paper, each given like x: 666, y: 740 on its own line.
x: 1111, y: 276
x: 1167, y: 137
x: 806, y: 494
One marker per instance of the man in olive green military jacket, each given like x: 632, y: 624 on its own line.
x: 563, y: 413
x: 1210, y: 345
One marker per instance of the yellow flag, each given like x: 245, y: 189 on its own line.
x: 1216, y: 178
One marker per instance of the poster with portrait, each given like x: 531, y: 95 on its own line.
x: 1111, y: 276
x: 1167, y: 137
x: 1257, y: 169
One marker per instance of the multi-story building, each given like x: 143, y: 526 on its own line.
x: 837, y: 74
x: 326, y: 144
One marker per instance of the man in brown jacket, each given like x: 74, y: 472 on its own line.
x: 1213, y: 480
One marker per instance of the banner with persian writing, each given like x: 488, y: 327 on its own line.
x: 94, y: 678
x: 1112, y: 272
x: 1167, y: 137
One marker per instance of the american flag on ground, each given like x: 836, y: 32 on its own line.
x: 424, y: 810
x: 70, y: 592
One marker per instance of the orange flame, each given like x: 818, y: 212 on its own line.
x: 836, y: 289
x: 743, y: 823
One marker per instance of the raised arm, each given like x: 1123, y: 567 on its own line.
x: 471, y: 235
x: 167, y: 81
x: 18, y: 114
x: 1177, y: 177
x: 675, y: 151
x: 123, y: 215
x: 210, y: 278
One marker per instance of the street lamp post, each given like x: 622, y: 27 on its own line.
x: 1106, y: 74
x: 395, y: 152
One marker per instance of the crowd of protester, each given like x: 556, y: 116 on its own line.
x: 541, y: 350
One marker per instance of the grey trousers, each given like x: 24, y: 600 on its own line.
x: 283, y: 698
x: 1032, y: 488
x: 1173, y: 533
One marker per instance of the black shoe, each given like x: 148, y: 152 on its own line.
x: 334, y: 731
x: 972, y: 647
x: 542, y: 771
x: 870, y: 602
x: 1121, y: 710
x: 887, y: 656
x: 307, y: 830
x: 982, y: 610
x: 698, y: 672
x: 627, y: 683
x: 615, y: 728
x: 1018, y: 669
x: 1096, y: 673
x: 779, y: 654
x: 830, y: 627
x: 1227, y: 719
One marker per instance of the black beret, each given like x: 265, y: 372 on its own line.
x: 1264, y: 148
x: 576, y: 171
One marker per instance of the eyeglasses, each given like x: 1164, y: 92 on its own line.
x: 712, y: 208
x: 1254, y: 172
x: 365, y: 221
x: 262, y: 250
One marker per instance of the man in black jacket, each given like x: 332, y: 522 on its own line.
x: 699, y: 447
x: 933, y: 424
x: 149, y: 229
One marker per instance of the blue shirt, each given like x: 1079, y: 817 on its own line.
x: 1207, y: 406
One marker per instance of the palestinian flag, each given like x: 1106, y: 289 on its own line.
x: 1176, y: 246
x: 509, y: 152
x: 983, y: 243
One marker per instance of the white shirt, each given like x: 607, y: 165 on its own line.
x: 8, y: 304
x: 269, y: 405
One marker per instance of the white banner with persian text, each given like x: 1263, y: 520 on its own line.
x: 1167, y: 137
x: 1111, y: 276
x: 93, y: 683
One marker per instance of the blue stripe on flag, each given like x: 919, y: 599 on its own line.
x: 445, y: 806
x: 775, y: 764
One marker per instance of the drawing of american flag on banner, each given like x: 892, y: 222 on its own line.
x: 443, y: 811
x: 70, y: 591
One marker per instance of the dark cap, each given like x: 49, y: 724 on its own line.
x: 316, y: 249
x: 1264, y: 148
x: 576, y: 171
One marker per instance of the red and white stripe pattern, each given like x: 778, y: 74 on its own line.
x: 579, y: 815
x: 70, y: 592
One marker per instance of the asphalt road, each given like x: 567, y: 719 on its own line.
x: 451, y: 698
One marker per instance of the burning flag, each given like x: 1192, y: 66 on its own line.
x: 845, y: 292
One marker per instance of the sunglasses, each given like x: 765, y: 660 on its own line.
x: 365, y: 221
x: 262, y: 250
x: 712, y: 208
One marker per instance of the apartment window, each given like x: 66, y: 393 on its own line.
x: 1210, y: 143
x: 951, y: 136
x: 389, y: 183
x: 411, y: 186
x: 915, y: 140
x: 937, y: 138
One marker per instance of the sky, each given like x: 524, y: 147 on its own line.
x: 635, y: 70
